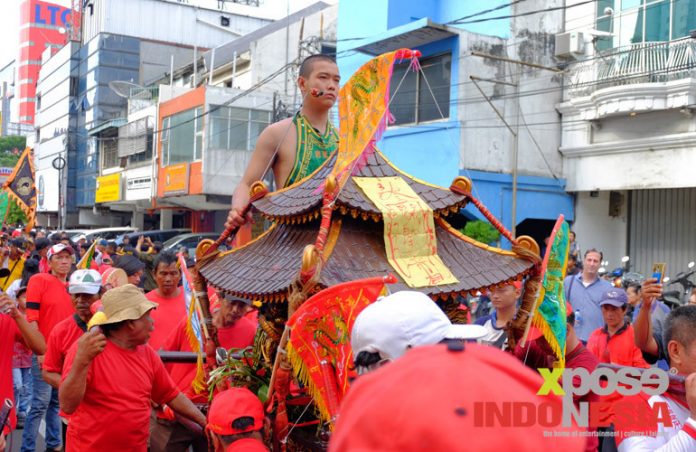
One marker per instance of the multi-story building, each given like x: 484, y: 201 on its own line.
x: 43, y: 25
x: 208, y: 132
x: 482, y: 106
x: 56, y: 136
x: 125, y: 44
x: 628, y: 128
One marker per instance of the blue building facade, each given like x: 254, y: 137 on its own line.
x: 426, y: 138
x: 103, y: 59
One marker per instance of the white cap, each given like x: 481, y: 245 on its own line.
x: 393, y: 324
x: 85, y: 281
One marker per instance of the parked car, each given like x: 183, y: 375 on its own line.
x: 158, y: 235
x: 90, y: 234
x: 190, y: 241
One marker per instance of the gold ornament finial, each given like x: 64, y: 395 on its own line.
x: 461, y: 185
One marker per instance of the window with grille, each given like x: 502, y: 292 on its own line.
x: 422, y: 96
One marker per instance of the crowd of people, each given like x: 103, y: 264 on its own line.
x: 93, y: 380
x: 82, y: 348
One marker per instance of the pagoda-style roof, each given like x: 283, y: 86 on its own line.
x: 266, y: 267
x: 302, y: 201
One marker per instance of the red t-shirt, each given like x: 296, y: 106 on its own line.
x: 114, y: 414
x: 48, y: 302
x: 167, y: 316
x: 63, y: 336
x: 9, y: 333
x: 239, y: 335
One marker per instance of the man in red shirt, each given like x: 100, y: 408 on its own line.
x: 169, y: 296
x: 236, y: 418
x: 234, y: 331
x: 614, y: 342
x: 110, y: 378
x: 84, y: 288
x: 13, y: 327
x: 48, y: 303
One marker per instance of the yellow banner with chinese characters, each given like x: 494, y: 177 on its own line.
x: 409, y: 231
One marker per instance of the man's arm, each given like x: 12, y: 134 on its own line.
x: 184, y: 407
x: 260, y: 160
x: 642, y: 330
x: 52, y: 378
x: 72, y: 389
x: 30, y: 331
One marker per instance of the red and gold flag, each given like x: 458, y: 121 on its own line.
x: 319, y: 346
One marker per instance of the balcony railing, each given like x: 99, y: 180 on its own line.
x: 142, y: 98
x: 636, y: 63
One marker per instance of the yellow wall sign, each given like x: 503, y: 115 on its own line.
x: 108, y: 188
x: 176, y: 179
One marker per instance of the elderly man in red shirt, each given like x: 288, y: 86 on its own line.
x: 110, y: 378
x: 48, y: 303
x: 84, y: 288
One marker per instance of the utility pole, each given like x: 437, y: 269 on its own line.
x: 514, y: 129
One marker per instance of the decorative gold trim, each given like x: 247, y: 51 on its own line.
x: 258, y: 190
x: 202, y: 248
x: 249, y: 243
x: 461, y: 185
x: 447, y: 227
x: 528, y: 243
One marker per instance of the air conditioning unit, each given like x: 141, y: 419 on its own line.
x: 570, y: 44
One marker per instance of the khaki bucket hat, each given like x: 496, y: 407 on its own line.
x: 122, y: 303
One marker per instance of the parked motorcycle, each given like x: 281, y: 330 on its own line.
x: 681, y: 296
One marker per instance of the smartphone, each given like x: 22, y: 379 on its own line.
x: 658, y: 271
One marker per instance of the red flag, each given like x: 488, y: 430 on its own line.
x: 319, y: 346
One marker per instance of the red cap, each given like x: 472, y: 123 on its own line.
x: 247, y: 445
x: 230, y: 405
x: 432, y: 398
x: 16, y: 233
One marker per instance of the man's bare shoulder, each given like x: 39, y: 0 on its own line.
x: 278, y: 128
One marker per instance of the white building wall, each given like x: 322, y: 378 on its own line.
x: 595, y: 228
x: 162, y: 21
x: 271, y: 52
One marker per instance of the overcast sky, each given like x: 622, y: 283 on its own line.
x: 9, y: 19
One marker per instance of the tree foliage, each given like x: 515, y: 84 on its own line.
x: 15, y: 214
x: 9, y: 144
x: 481, y: 231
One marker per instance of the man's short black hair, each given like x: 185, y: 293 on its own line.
x: 366, y: 359
x: 166, y: 257
x: 241, y: 423
x: 680, y: 326
x: 635, y: 285
x: 308, y: 63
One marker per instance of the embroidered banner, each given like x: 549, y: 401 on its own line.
x: 409, y: 231
x: 319, y: 346
x: 550, y: 315
x: 362, y: 108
